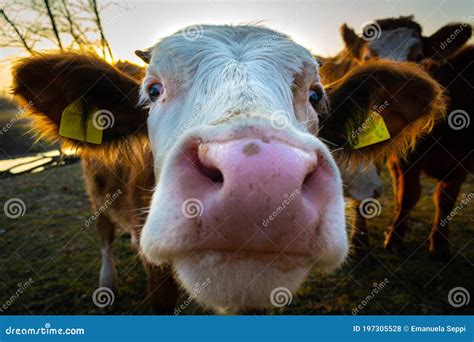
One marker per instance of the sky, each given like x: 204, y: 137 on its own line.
x: 314, y: 24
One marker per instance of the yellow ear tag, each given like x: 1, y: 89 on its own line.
x: 72, y: 127
x: 372, y: 131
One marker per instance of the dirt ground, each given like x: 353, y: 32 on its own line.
x: 51, y: 245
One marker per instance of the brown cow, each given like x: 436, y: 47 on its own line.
x: 226, y: 154
x: 446, y: 154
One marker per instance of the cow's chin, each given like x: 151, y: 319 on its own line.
x: 231, y: 282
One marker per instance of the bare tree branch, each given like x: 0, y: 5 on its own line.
x: 76, y: 36
x: 53, y: 24
x: 61, y: 24
x: 103, y: 40
x: 18, y: 33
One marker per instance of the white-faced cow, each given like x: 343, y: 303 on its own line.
x: 226, y: 151
x: 446, y: 154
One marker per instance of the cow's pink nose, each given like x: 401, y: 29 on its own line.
x: 247, y: 164
x: 255, y: 195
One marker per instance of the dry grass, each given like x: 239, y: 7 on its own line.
x: 51, y: 244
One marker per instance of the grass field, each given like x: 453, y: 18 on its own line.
x: 51, y: 245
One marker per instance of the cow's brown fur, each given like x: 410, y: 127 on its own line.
x: 133, y: 70
x: 446, y: 153
x: 92, y: 77
x: 128, y: 214
x: 365, y: 91
x: 123, y: 165
x: 394, y: 23
x: 335, y: 67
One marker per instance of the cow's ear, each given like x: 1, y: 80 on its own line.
x: 144, y: 55
x: 446, y: 41
x: 407, y: 100
x: 353, y: 42
x: 80, y: 94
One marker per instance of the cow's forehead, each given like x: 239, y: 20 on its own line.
x: 395, y: 43
x: 217, y: 46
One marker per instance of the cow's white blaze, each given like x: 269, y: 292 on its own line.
x: 397, y: 44
x: 362, y: 181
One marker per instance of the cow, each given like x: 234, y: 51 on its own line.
x: 221, y: 143
x: 130, y: 69
x: 446, y: 154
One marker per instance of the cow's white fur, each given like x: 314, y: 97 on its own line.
x: 396, y: 44
x: 240, y: 76
x: 362, y: 181
x: 244, y: 68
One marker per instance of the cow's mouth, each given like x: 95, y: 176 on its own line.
x: 280, y: 259
x: 240, y: 279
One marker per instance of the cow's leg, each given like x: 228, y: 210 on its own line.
x: 108, y: 273
x: 359, y: 238
x: 444, y: 199
x: 162, y: 288
x: 407, y: 192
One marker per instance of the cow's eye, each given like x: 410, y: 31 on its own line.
x: 315, y: 95
x: 155, y: 91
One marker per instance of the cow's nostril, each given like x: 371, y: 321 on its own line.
x: 311, y: 172
x: 308, y: 176
x: 210, y: 171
